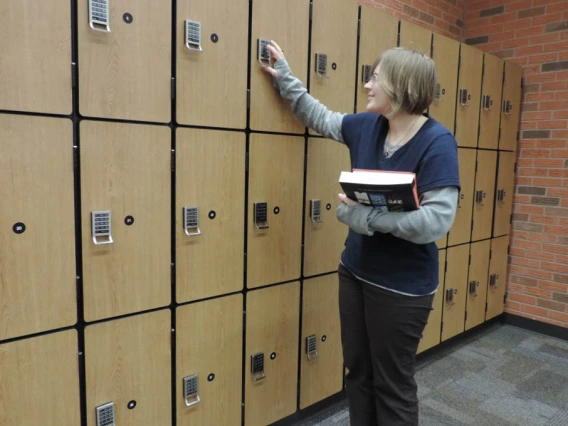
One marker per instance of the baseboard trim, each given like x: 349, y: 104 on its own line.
x: 313, y: 410
x: 536, y: 326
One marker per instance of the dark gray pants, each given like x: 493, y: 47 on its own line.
x: 380, y: 333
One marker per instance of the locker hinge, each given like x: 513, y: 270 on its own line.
x: 483, y: 70
x: 508, y: 249
x: 173, y: 159
x: 173, y: 88
x: 490, y: 254
x: 247, y: 162
x: 510, y: 219
x: 469, y: 263
x: 73, y: 75
x: 522, y: 82
x: 75, y: 158
x: 442, y: 327
x: 486, y: 306
x: 499, y: 137
x: 515, y: 169
x: 248, y: 98
x: 445, y: 265
x: 505, y: 297
x: 465, y: 317
x: 476, y: 163
x: 311, y: 9
x: 359, y: 29
x: 518, y: 134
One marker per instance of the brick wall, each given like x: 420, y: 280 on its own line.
x: 534, y: 33
x: 444, y: 17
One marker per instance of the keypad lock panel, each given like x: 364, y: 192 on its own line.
x: 191, y: 221
x: 311, y: 347
x: 106, y: 415
x: 473, y: 288
x: 450, y: 296
x: 315, y: 211
x: 191, y: 390
x: 99, y: 16
x: 257, y: 366
x: 321, y: 64
x: 261, y: 215
x: 101, y: 229
x: 263, y: 52
x: 193, y: 35
x: 365, y: 73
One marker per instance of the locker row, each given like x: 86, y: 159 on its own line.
x: 124, y: 64
x: 125, y: 199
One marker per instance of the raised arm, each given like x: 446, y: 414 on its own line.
x: 304, y: 106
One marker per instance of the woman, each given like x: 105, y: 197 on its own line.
x: 389, y: 269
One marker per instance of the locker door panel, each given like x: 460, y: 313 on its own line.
x: 415, y: 37
x: 35, y: 41
x: 477, y: 283
x: 322, y: 365
x: 460, y: 231
x: 379, y: 32
x: 39, y: 381
x: 504, y: 193
x: 272, y: 324
x: 497, y: 277
x: 491, y: 92
x: 324, y: 241
x: 455, y: 290
x: 511, y: 106
x: 268, y: 111
x: 483, y: 197
x: 431, y: 334
x: 37, y: 261
x: 219, y: 71
x: 469, y: 89
x: 276, y: 176
x: 210, y: 175
x: 126, y: 73
x: 209, y: 344
x: 130, y: 360
x: 126, y: 169
x: 446, y: 54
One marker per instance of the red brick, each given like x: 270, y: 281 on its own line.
x: 535, y: 310
x: 558, y: 134
x: 537, y: 273
x: 547, y: 163
x: 556, y: 248
x: 552, y: 286
x: 556, y: 47
x: 546, y: 19
x: 558, y: 173
x: 529, y: 263
x: 523, y: 298
x: 542, y: 78
x: 512, y: 305
x: 541, y: 255
x: 541, y: 115
x: 531, y: 31
x: 556, y: 267
x: 551, y: 143
x: 555, y: 124
x: 554, y: 105
x: 559, y: 7
x: 538, y: 292
x: 542, y: 59
x: 518, y: 42
x: 557, y: 192
x: 537, y: 236
x: 543, y: 96
x: 559, y: 316
x: 524, y: 244
x: 547, y: 182
x: 504, y: 17
x: 514, y: 6
x: 517, y: 24
x: 557, y: 85
x: 530, y: 50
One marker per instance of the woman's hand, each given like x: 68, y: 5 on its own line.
x: 276, y: 53
x: 346, y: 200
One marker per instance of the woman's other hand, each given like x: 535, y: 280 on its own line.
x: 276, y: 53
x: 346, y: 200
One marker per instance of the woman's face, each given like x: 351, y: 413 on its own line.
x: 378, y: 101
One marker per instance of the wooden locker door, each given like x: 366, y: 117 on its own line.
x: 511, y: 106
x: 324, y: 236
x: 483, y: 197
x: 490, y: 114
x: 497, y: 277
x: 469, y: 89
x: 504, y: 193
x: 415, y: 37
x: 268, y: 111
x: 334, y: 33
x: 276, y: 177
x: 37, y: 225
x: 217, y: 72
x: 322, y: 366
x: 431, y: 334
x: 209, y: 344
x: 272, y: 325
x: 460, y: 231
x: 477, y: 283
x: 35, y: 41
x: 128, y: 361
x: 446, y: 53
x: 39, y: 381
x: 455, y: 289
x: 210, y: 175
x: 126, y: 169
x: 379, y: 32
x: 126, y: 73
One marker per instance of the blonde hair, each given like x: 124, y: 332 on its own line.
x: 409, y: 79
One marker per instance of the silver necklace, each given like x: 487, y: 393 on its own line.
x: 388, y: 152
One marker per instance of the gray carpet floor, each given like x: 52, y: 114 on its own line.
x: 504, y: 377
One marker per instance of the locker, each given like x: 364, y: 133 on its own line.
x: 37, y: 262
x: 460, y: 231
x: 321, y: 356
x: 511, y: 109
x: 477, y: 283
x: 455, y: 289
x: 271, y: 355
x: 128, y: 365
x: 334, y: 53
x: 125, y: 172
x: 210, y: 184
x: 211, y: 63
x: 209, y: 344
x: 469, y: 89
x: 442, y: 242
x: 276, y: 177
x: 445, y: 53
x: 39, y: 381
x: 484, y: 195
x: 504, y: 193
x: 431, y: 334
x: 379, y: 32
x: 125, y: 67
x: 415, y: 37
x: 324, y: 235
x: 268, y: 111
x: 497, y: 277
x: 35, y: 41
x: 490, y: 114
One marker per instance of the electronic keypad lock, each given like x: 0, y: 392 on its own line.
x: 311, y: 350
x: 473, y: 288
x: 261, y: 215
x: 507, y: 107
x: 315, y: 211
x: 193, y: 35
x: 438, y: 94
x: 450, y: 296
x: 263, y: 52
x: 105, y: 415
x: 464, y: 97
x: 191, y: 390
x: 191, y: 221
x: 99, y: 15
x: 487, y: 102
x: 101, y: 227
x: 366, y: 73
x: 321, y: 65
x: 257, y: 366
